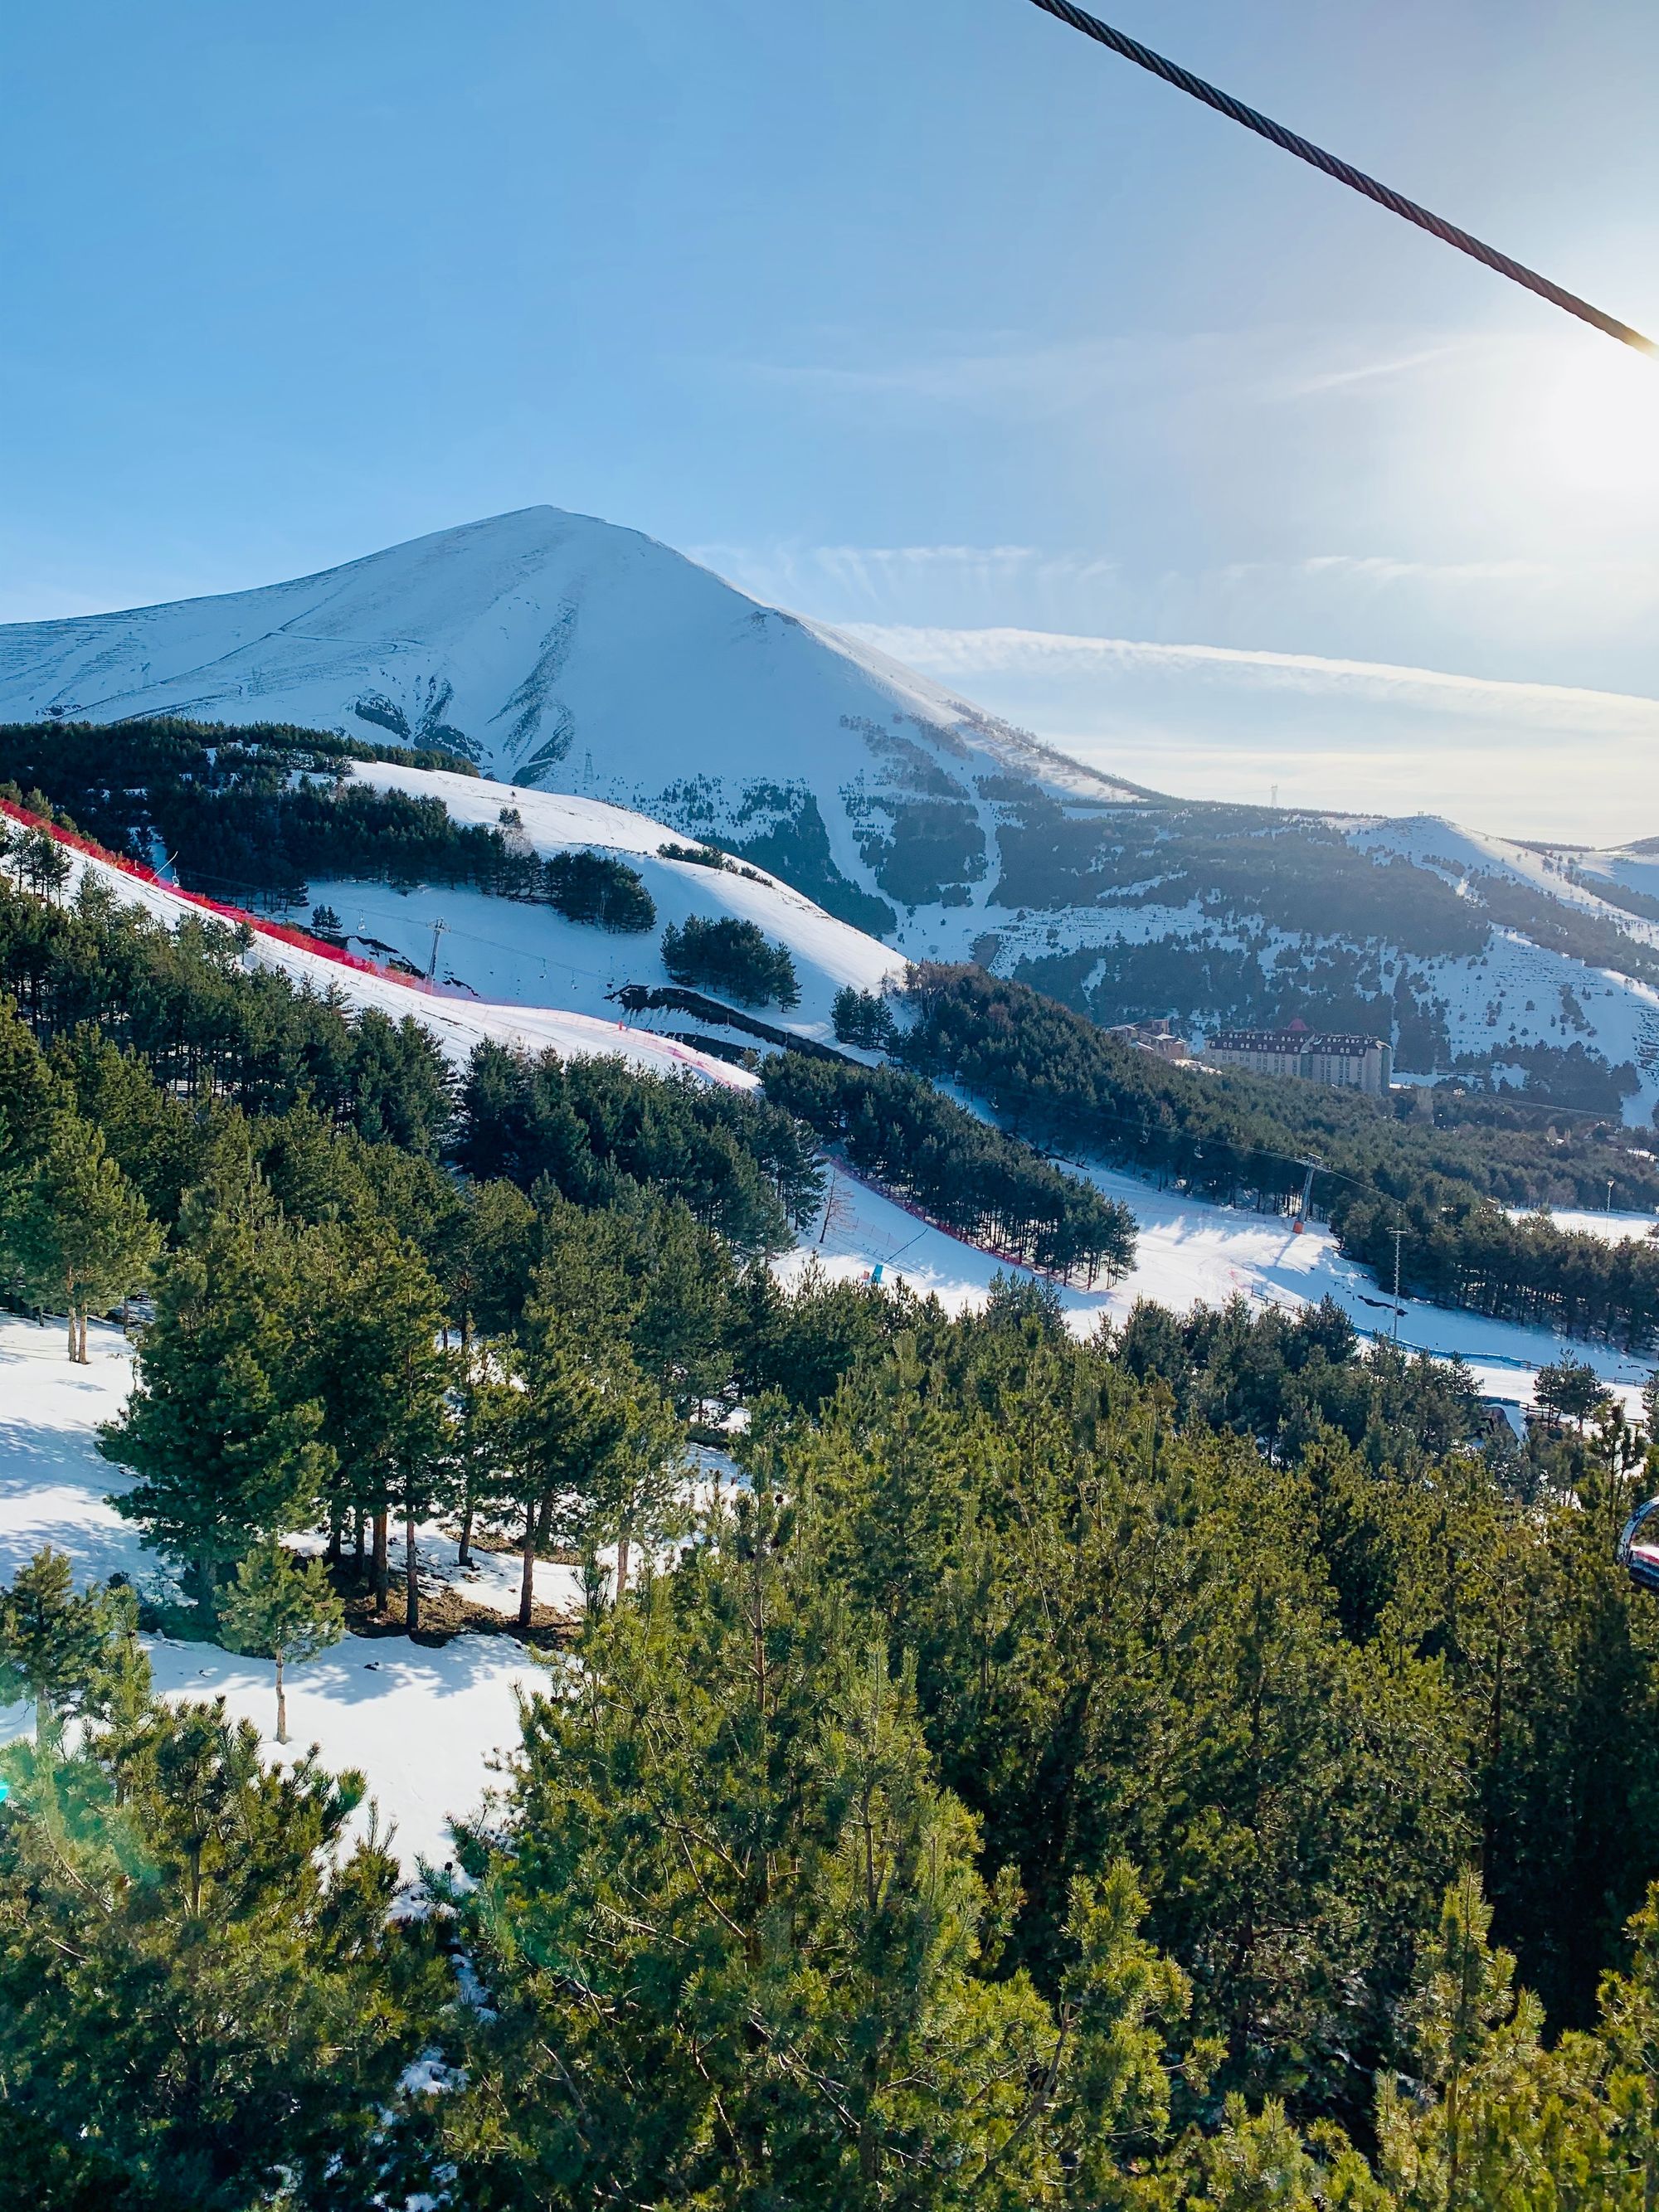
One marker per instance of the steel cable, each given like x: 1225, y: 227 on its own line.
x: 1344, y: 171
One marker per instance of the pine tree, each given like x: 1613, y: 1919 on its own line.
x: 485, y: 1258
x: 31, y: 1098
x: 150, y: 1133
x: 738, y: 1950
x: 864, y: 1019
x: 1629, y: 2037
x: 61, y: 1650
x: 482, y: 1435
x: 679, y: 1335
x: 282, y: 1609
x: 379, y: 1373
x: 45, y: 866
x: 226, y: 1448
x: 1571, y: 1388
x: 592, y: 1444
x: 638, y: 1488
x: 1496, y: 2121
x: 83, y: 1237
x: 205, y: 2000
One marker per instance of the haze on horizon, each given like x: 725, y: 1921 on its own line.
x: 940, y: 327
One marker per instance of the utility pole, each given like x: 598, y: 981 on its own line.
x: 1610, y: 1181
x: 1397, y: 1234
x: 438, y: 929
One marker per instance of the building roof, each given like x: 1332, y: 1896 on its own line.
x: 1296, y: 1039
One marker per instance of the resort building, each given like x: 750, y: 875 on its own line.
x: 1351, y: 1063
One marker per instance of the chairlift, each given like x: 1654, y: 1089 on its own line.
x: 1640, y: 1560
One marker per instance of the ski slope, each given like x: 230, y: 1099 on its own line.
x: 458, y: 1021
x: 507, y: 950
x: 1590, y: 1221
x: 1190, y: 1253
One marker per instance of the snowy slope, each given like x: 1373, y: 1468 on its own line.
x: 566, y: 654
x: 423, y: 1723
x: 458, y: 1023
x: 508, y: 950
x: 551, y: 648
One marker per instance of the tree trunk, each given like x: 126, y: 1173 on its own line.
x: 281, y: 1702
x: 199, y: 1584
x: 382, y: 1568
x: 336, y: 1531
x: 545, y: 1523
x: 621, y: 1565
x: 465, y: 1556
x: 358, y: 1511
x: 527, y: 1580
x: 84, y: 1361
x: 411, y: 1574
x: 71, y: 1329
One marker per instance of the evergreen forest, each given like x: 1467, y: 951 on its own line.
x: 1195, y: 1767
x: 1050, y: 1075
x: 247, y: 816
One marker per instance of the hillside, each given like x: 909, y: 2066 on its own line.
x: 567, y: 655
x: 508, y: 951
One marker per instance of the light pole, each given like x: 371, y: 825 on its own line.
x: 1397, y: 1234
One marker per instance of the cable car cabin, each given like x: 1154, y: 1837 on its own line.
x: 1640, y: 1557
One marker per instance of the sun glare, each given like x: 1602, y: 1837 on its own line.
x: 1594, y: 421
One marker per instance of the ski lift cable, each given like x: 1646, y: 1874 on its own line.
x: 1344, y: 171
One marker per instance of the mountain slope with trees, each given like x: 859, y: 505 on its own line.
x: 559, y: 652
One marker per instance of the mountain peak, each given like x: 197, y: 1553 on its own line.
x: 546, y: 647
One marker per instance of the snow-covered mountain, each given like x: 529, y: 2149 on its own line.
x: 567, y: 655
x: 557, y: 650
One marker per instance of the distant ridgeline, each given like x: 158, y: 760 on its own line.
x: 1057, y: 1080
x: 252, y: 813
x: 1233, y: 917
x: 1222, y: 917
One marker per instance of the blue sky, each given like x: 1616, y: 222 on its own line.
x: 927, y: 318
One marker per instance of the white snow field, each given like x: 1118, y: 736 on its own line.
x: 504, y: 949
x: 423, y: 1723
x: 1591, y: 1221
x: 1190, y: 1253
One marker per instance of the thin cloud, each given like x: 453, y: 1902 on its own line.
x: 1373, y: 372
x: 966, y: 653
x: 878, y: 573
x: 1384, y: 569
x: 1250, y: 367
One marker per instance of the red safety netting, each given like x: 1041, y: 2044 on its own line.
x: 300, y: 939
